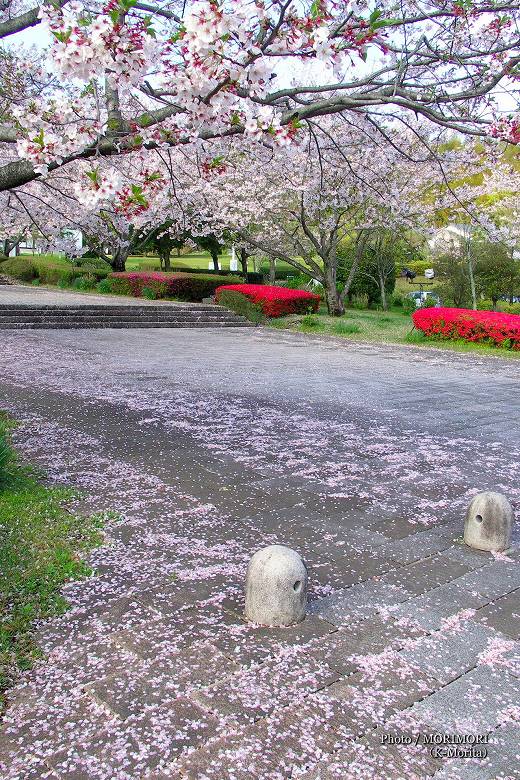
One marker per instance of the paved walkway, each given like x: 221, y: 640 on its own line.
x: 210, y: 445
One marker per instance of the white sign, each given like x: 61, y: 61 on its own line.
x: 233, y: 263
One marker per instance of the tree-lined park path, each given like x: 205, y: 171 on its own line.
x: 211, y: 444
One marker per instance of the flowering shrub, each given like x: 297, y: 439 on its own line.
x: 241, y: 305
x: 484, y: 326
x: 186, y: 287
x: 275, y: 301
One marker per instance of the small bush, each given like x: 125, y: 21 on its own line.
x: 84, y: 282
x: 205, y: 271
x: 21, y: 268
x: 255, y: 278
x: 97, y: 267
x: 345, y: 328
x: 297, y: 282
x: 66, y: 278
x: 119, y: 285
x: 241, y: 305
x: 49, y: 275
x: 276, y: 301
x: 35, y: 282
x: 312, y: 323
x: 409, y: 306
x: 510, y: 308
x: 149, y: 293
x: 359, y: 302
x: 397, y: 300
x: 104, y: 286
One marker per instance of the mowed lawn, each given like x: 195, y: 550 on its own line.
x: 200, y: 260
x: 356, y: 324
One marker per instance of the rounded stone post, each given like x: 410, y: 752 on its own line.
x: 276, y: 587
x: 489, y: 521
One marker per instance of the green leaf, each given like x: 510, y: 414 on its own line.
x: 38, y: 139
x: 63, y: 37
x: 177, y: 35
x: 93, y: 175
x: 383, y: 23
x: 315, y: 9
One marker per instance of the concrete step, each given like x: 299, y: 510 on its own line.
x: 27, y: 316
x: 68, y: 309
x: 130, y: 316
x: 97, y: 324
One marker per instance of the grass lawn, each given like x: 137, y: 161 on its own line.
x: 41, y: 542
x: 392, y: 327
x: 356, y: 324
x: 141, y: 263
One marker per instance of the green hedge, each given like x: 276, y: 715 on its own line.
x: 21, y: 268
x: 509, y: 308
x: 188, y: 287
x: 184, y: 287
x: 238, y: 303
x: 65, y: 277
x: 419, y: 266
x: 204, y: 271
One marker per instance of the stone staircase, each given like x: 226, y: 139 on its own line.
x: 27, y: 316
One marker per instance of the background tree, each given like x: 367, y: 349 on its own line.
x: 346, y: 183
x: 498, y: 272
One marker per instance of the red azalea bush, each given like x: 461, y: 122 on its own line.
x: 275, y: 301
x: 486, y: 326
x: 186, y: 287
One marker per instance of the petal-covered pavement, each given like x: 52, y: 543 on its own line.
x: 210, y: 445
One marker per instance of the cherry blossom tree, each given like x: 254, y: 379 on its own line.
x: 151, y: 74
x: 340, y: 187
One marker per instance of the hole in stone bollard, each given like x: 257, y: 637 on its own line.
x: 297, y: 585
x: 478, y: 518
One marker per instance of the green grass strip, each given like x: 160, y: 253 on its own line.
x: 41, y: 543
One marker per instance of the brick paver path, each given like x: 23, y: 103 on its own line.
x: 211, y: 445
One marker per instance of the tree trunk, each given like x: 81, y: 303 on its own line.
x: 119, y: 259
x: 351, y: 274
x: 165, y: 260
x: 243, y: 262
x: 383, y: 292
x: 214, y: 257
x: 9, y: 245
x: 272, y: 270
x: 471, y: 274
x: 335, y: 304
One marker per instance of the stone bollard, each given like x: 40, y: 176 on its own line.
x: 276, y: 587
x: 489, y: 521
